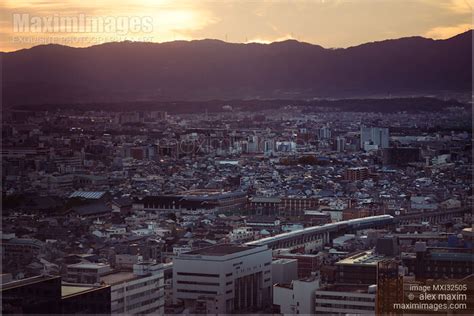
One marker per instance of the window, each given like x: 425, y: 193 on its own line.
x: 198, y: 283
x: 197, y: 291
x: 199, y: 274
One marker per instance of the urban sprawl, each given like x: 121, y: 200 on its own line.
x: 291, y: 211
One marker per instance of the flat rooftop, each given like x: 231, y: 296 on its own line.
x: 27, y: 281
x: 284, y: 261
x: 219, y: 250
x: 363, y: 258
x: 118, y: 277
x: 67, y: 290
x: 352, y: 288
x: 88, y: 265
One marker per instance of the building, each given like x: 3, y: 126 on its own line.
x: 284, y: 271
x: 359, y: 269
x: 316, y: 218
x: 295, y: 206
x: 46, y: 295
x: 20, y: 249
x: 296, y: 297
x: 340, y: 144
x: 263, y: 205
x: 356, y: 173
x: 223, y: 279
x: 205, y: 200
x: 140, y: 291
x: 281, y: 206
x: 344, y: 299
x: 263, y: 222
x: 36, y: 295
x: 85, y: 299
x: 400, y: 156
x: 374, y: 136
x: 441, y: 263
x: 389, y: 286
x: 306, y: 263
x: 324, y: 132
x: 86, y: 272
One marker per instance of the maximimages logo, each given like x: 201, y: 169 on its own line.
x: 81, y: 23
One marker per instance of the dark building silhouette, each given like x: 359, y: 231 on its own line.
x: 400, y: 156
x: 35, y: 295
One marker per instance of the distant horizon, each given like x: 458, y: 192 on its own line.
x: 244, y: 43
x: 328, y: 23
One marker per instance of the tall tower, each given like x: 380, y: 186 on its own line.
x: 389, y: 287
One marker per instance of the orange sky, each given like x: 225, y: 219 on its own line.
x: 329, y: 23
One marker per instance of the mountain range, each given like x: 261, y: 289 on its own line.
x: 212, y: 69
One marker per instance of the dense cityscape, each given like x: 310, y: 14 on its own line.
x: 286, y: 210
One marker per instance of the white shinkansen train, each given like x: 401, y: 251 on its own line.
x: 309, y: 234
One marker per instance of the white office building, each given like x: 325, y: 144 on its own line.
x: 296, y: 297
x: 374, y: 137
x: 223, y: 279
x: 141, y: 291
x: 86, y: 272
x: 344, y: 299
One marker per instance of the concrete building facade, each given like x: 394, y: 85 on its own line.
x: 223, y: 279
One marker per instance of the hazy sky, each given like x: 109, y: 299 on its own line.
x: 329, y: 23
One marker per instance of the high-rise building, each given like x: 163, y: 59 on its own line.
x: 324, y: 132
x: 223, y: 279
x: 377, y: 136
x: 340, y: 144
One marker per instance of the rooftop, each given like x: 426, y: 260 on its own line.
x: 363, y: 258
x: 88, y: 265
x: 283, y: 261
x: 27, y: 281
x: 219, y: 250
x: 118, y: 277
x: 67, y: 290
x: 353, y: 288
x: 87, y: 194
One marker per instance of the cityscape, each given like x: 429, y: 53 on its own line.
x: 237, y: 197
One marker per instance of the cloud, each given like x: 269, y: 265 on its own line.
x: 461, y: 6
x: 444, y: 32
x: 330, y: 23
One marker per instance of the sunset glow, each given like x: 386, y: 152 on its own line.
x: 248, y: 21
